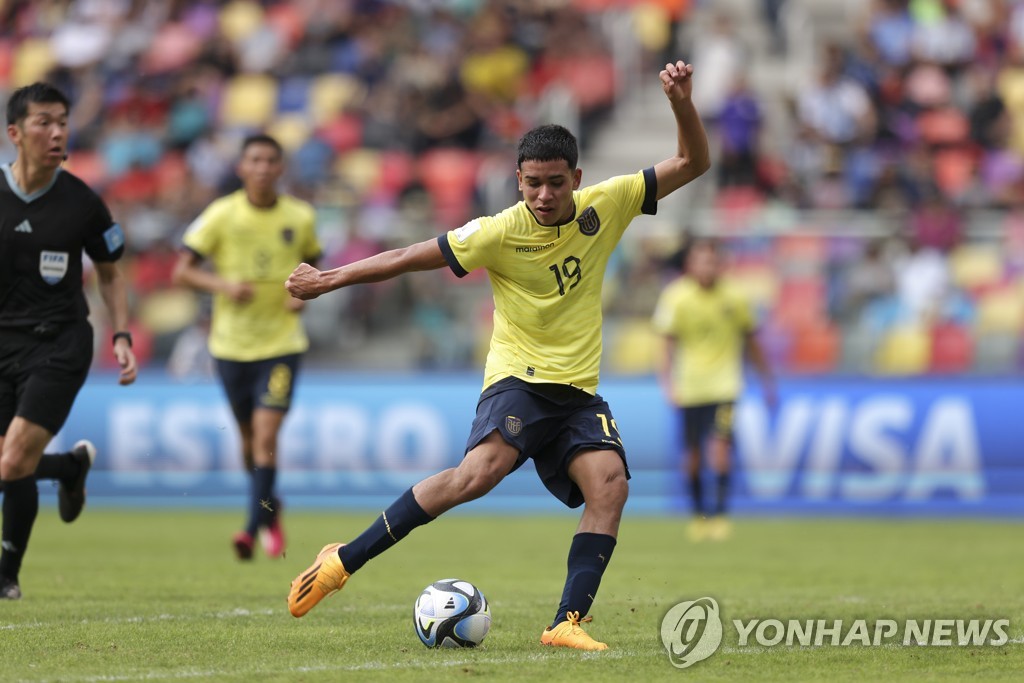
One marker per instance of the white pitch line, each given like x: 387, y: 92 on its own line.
x: 236, y: 613
x: 185, y: 674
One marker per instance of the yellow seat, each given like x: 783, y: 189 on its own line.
x: 331, y: 94
x: 976, y: 265
x: 168, y: 311
x: 291, y: 130
x: 1001, y: 310
x: 32, y: 60
x: 250, y: 101
x: 360, y: 168
x: 904, y: 351
x: 240, y: 18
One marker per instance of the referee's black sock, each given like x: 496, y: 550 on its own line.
x: 58, y: 466
x: 404, y: 515
x: 588, y: 557
x: 260, y: 504
x: 20, y: 506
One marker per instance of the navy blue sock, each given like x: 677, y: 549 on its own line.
x: 262, y: 494
x: 697, y: 494
x: 404, y: 515
x: 722, y: 490
x: 20, y: 506
x: 589, y: 554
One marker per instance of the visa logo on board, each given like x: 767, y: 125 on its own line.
x: 879, y: 448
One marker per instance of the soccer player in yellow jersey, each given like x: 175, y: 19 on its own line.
x: 709, y: 329
x: 546, y: 258
x: 253, y: 238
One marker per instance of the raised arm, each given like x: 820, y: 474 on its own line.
x: 692, y: 157
x: 306, y: 282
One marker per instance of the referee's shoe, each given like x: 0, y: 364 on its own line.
x: 71, y: 493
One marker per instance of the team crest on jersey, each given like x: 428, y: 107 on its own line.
x: 288, y: 235
x: 513, y: 425
x: 589, y: 222
x: 53, y: 266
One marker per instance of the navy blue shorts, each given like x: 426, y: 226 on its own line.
x: 255, y: 384
x: 701, y: 421
x: 41, y: 373
x: 550, y: 423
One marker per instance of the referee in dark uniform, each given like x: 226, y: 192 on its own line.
x: 47, y: 218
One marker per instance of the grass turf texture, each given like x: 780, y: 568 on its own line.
x: 157, y: 595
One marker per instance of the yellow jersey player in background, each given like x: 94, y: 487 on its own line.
x: 546, y: 259
x: 709, y: 329
x: 253, y: 238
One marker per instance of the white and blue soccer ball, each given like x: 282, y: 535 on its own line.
x: 451, y: 613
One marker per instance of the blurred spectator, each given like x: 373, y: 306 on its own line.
x: 836, y: 109
x: 721, y: 58
x: 739, y: 125
x: 936, y: 223
x: 922, y: 283
x: 869, y: 278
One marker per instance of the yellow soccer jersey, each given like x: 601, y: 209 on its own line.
x: 261, y: 246
x: 547, y: 280
x: 710, y: 328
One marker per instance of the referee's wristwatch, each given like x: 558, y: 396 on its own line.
x: 127, y: 336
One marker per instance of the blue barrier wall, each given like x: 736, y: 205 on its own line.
x: 832, y: 446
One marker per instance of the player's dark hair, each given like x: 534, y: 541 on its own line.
x: 40, y: 93
x: 262, y: 139
x: 550, y: 142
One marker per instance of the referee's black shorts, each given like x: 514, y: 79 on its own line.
x: 550, y: 423
x: 41, y: 372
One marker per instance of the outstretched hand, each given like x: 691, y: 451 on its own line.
x: 676, y: 81
x: 304, y: 282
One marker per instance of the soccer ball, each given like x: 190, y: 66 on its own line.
x: 451, y: 613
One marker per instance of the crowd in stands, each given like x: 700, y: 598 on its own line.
x: 400, y: 119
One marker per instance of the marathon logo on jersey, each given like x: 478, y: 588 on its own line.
x: 53, y: 266
x: 114, y: 237
x: 589, y: 222
x: 288, y: 235
x: 513, y: 425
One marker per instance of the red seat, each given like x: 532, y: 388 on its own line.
x: 801, y: 303
x: 952, y: 349
x: 449, y: 175
x: 815, y: 349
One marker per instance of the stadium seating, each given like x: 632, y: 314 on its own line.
x: 250, y: 101
x: 905, y: 350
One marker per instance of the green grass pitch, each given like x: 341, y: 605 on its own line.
x: 156, y: 595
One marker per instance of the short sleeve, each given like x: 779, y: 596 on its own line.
x: 665, y: 311
x: 104, y: 240
x: 202, y: 235
x: 472, y: 246
x: 633, y: 194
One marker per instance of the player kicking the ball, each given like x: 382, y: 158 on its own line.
x: 546, y: 258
